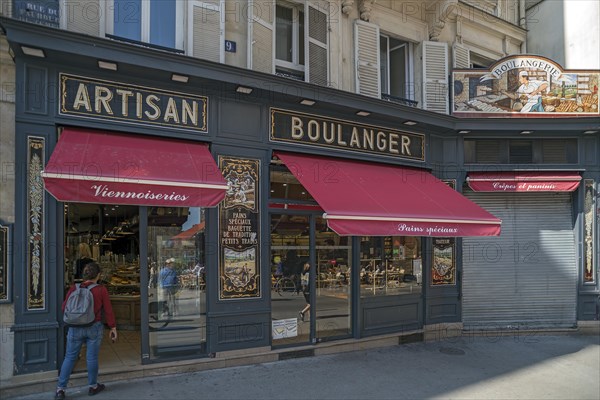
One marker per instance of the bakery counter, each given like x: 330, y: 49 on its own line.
x: 127, y: 311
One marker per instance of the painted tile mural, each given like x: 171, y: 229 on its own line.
x: 525, y: 86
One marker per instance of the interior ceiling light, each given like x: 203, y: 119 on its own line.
x: 410, y: 123
x: 31, y: 51
x: 463, y: 132
x: 107, y: 65
x: 244, y: 89
x: 180, y: 78
x: 590, y: 132
x: 363, y: 113
x: 307, y: 102
x: 526, y: 132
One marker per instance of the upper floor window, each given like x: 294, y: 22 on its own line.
x: 289, y: 40
x: 396, y: 73
x: 147, y: 21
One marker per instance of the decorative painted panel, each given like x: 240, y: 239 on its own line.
x: 239, y: 229
x: 443, y: 264
x: 523, y: 84
x: 589, y: 270
x: 5, y: 263
x: 35, y: 224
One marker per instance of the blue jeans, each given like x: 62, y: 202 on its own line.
x: 77, y: 336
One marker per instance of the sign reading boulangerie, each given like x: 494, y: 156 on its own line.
x: 239, y: 229
x: 99, y: 99
x: 314, y: 130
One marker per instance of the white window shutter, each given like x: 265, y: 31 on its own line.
x: 261, y: 36
x: 84, y: 16
x: 206, y: 30
x: 435, y: 76
x: 461, y: 56
x: 366, y: 47
x: 317, y: 49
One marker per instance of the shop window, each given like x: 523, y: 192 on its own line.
x: 390, y: 266
x: 289, y: 40
x: 558, y: 151
x: 176, y: 288
x: 520, y: 151
x: 146, y: 22
x: 285, y: 188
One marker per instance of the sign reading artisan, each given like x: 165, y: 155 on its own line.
x: 94, y: 98
x: 291, y: 126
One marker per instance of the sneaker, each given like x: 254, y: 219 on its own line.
x: 95, y: 390
x: 60, y: 395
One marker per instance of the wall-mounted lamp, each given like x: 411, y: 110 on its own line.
x: 410, y: 123
x: 307, y: 102
x: 31, y: 51
x: 244, y: 89
x: 180, y: 78
x: 363, y: 113
x: 107, y: 65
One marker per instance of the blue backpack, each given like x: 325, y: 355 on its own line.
x: 79, y: 308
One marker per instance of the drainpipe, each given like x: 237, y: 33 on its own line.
x: 523, y: 24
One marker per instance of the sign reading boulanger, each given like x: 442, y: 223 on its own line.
x: 314, y: 130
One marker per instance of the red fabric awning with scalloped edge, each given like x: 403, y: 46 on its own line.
x: 524, y: 181
x: 111, y: 168
x: 368, y: 199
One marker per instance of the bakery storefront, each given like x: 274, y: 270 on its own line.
x: 233, y: 191
x: 229, y: 178
x: 542, y: 184
x: 365, y: 226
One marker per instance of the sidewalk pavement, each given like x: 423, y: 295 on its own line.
x: 516, y: 366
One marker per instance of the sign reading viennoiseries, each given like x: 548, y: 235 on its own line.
x: 525, y: 84
x: 294, y: 127
x: 99, y: 99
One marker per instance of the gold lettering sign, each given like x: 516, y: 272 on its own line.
x: 313, y: 130
x: 94, y: 98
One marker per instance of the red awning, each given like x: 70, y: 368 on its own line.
x: 190, y: 233
x: 538, y: 181
x: 361, y: 198
x: 110, y: 168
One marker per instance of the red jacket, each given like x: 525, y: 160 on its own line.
x: 101, y: 303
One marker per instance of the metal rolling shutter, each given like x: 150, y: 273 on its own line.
x: 526, y: 277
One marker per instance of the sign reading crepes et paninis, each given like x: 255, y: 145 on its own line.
x: 295, y: 127
x: 99, y: 99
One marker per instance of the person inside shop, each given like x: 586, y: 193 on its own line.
x: 168, y: 282
x: 91, y: 335
x: 305, y: 283
x: 153, y: 276
x: 84, y: 257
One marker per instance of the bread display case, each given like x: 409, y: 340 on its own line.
x: 390, y: 265
x: 122, y: 280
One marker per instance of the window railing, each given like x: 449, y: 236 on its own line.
x: 399, y: 100
x: 144, y: 44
